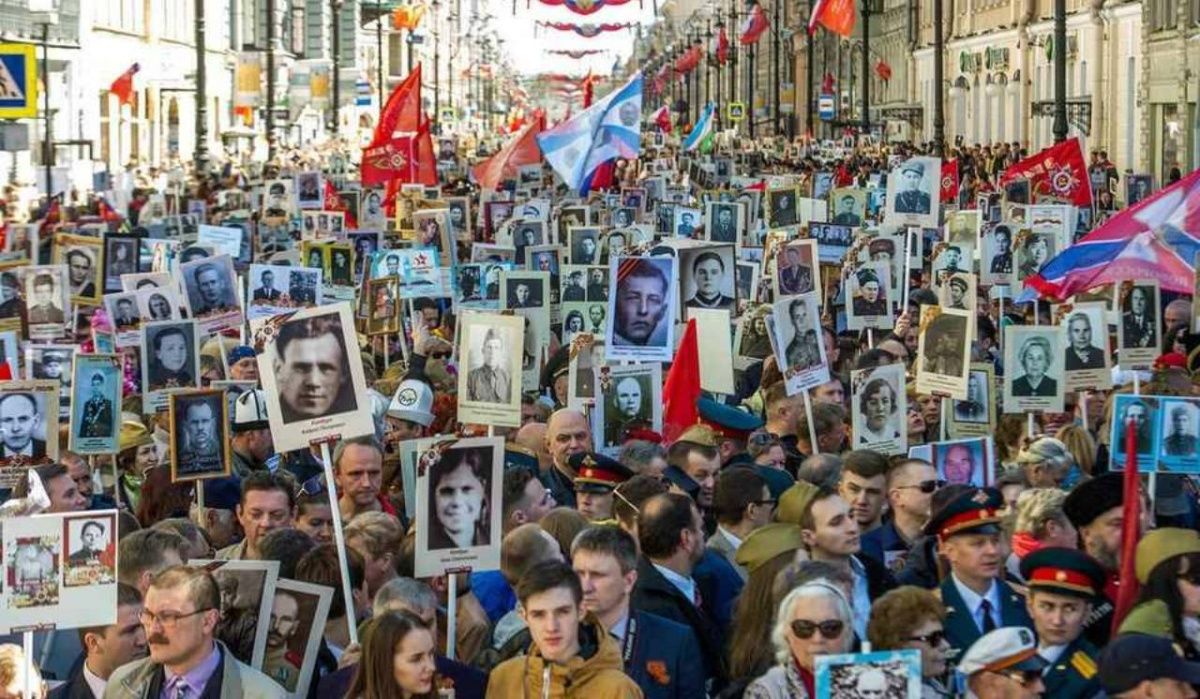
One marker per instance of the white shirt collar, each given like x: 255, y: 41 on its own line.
x: 94, y: 683
x: 618, y: 629
x: 681, y: 582
x: 1051, y: 653
x: 973, y: 600
x: 737, y: 543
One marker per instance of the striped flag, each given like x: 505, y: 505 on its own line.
x: 609, y: 129
x: 701, y: 131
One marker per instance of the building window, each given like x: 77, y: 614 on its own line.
x: 105, y: 124
x: 125, y: 15
x: 1162, y: 14
x: 1130, y: 102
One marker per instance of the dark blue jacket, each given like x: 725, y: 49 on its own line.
x: 655, y: 594
x: 961, y: 629
x: 719, y: 584
x: 75, y: 687
x: 660, y: 655
x: 494, y: 593
x: 469, y: 683
x: 884, y: 540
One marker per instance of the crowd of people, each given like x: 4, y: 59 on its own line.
x: 766, y: 551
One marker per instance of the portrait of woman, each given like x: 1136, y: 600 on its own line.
x: 1035, y: 359
x: 458, y: 498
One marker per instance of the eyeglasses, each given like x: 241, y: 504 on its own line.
x: 168, y: 620
x: 830, y: 628
x: 440, y: 355
x: 770, y: 502
x: 933, y: 639
x: 926, y: 487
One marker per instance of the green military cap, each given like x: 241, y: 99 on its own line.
x: 699, y: 434
x: 794, y: 501
x: 1162, y: 544
x: 766, y: 543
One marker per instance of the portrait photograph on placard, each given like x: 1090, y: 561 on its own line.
x: 157, y: 304
x: 724, y: 222
x: 47, y: 301
x: 584, y: 245
x: 849, y: 206
x: 247, y: 592
x: 280, y: 288
x: 340, y: 268
x: 913, y: 192
x: 170, y: 360
x: 879, y: 408
x: 943, y: 352
x: 310, y: 194
x: 686, y: 222
x: 384, y: 314
x: 976, y: 415
x: 84, y: 258
x: 458, y: 508
x: 298, y: 615
x: 527, y: 234
x: 122, y: 308
x: 795, y: 323
x: 1138, y: 332
x: 1031, y: 251
x: 889, y: 250
x: 868, y: 297
x: 963, y: 461
x: 958, y: 292
x: 312, y: 375
x: 489, y: 378
x: 1143, y: 413
x: 29, y: 409
x: 707, y: 276
x: 833, y: 241
x: 781, y: 206
x: 893, y: 674
x: 1087, y: 361
x: 53, y: 362
x: 32, y: 570
x: 584, y: 358
x: 91, y: 550
x: 279, y: 199
x: 199, y: 423
x: 96, y: 404
x: 996, y: 263
x: 796, y: 268
x: 963, y: 227
x: 433, y: 231
x: 1179, y: 441
x: 546, y: 258
x: 524, y: 290
x: 630, y: 398
x: 120, y: 257
x: 1034, y: 368
x: 642, y: 307
x: 949, y: 259
x: 210, y: 292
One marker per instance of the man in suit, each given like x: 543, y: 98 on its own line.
x: 106, y: 648
x: 977, y: 597
x: 671, y: 535
x: 213, y: 293
x: 724, y: 229
x: 44, y: 310
x: 19, y: 419
x: 267, y: 292
x: 911, y: 199
x: 687, y: 224
x: 574, y: 290
x: 1138, y: 327
x: 1062, y: 584
x: 1082, y: 354
x: 743, y: 504
x: 125, y: 316
x: 659, y: 654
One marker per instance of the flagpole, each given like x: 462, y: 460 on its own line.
x: 810, y: 64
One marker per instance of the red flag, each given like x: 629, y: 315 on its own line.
x: 589, y: 89
x: 682, y: 387
x: 827, y: 83
x: 521, y: 150
x: 756, y: 23
x: 722, y: 47
x: 122, y: 87
x: 390, y: 156
x: 1130, y: 528
x: 662, y: 119
x: 950, y: 181
x: 1058, y: 172
x: 334, y: 203
x: 835, y: 15
x: 883, y: 70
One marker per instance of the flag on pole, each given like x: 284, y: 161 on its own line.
x: 506, y: 163
x: 1058, y: 172
x: 122, y: 87
x: 722, y: 47
x: 835, y: 15
x: 682, y: 386
x: 662, y: 119
x: 610, y: 128
x: 401, y: 148
x: 701, y: 131
x: 334, y: 203
x: 950, y: 181
x: 756, y: 23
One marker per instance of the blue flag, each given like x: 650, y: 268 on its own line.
x: 610, y: 128
x: 701, y: 130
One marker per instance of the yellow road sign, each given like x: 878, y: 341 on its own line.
x: 18, y: 81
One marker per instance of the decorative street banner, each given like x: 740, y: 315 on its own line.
x: 585, y: 7
x: 249, y: 79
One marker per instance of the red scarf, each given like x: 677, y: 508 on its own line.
x: 1023, y: 544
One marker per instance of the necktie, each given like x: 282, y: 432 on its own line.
x: 696, y: 598
x: 180, y: 689
x: 989, y: 624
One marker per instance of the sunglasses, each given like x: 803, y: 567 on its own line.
x: 313, y: 486
x: 830, y: 629
x: 439, y: 355
x: 933, y: 639
x: 926, y: 487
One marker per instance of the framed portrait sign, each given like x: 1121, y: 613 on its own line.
x: 53, y: 362
x: 707, y: 277
x: 247, y: 592
x: 879, y: 409
x: 914, y: 192
x: 1179, y: 435
x: 84, y: 257
x: 943, y: 352
x: 795, y: 326
x: 725, y: 222
x: 460, y: 217
x: 433, y: 231
x: 527, y: 295
x: 975, y: 416
x: 868, y: 297
x: 199, y: 423
x: 546, y: 258
x: 1143, y: 412
x: 958, y: 292
x: 797, y: 270
x: 490, y: 354
x: 1087, y: 360
x: 309, y: 191
x: 1032, y: 359
x: 1138, y: 332
x: 43, y: 586
x: 122, y: 308
x: 313, y: 376
x: 782, y: 207
x: 96, y: 404
x: 849, y: 206
x: 996, y: 258
x: 630, y: 398
x: 47, y: 301
x: 642, y: 307
x: 960, y: 461
x: 170, y: 361
x: 281, y: 288
x: 585, y: 357
x: 583, y: 243
x: 31, y: 408
x: 384, y: 313
x: 458, y: 510
x: 963, y: 227
x: 210, y: 293
x: 894, y: 674
x: 298, y: 615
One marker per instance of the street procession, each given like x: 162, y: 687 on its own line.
x: 593, y: 349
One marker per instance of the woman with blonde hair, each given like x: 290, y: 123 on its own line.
x: 18, y: 673
x: 1082, y: 446
x: 1039, y: 522
x: 814, y: 619
x: 1047, y: 463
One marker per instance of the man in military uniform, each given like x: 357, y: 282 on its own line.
x: 489, y: 382
x: 911, y: 199
x: 597, y: 477
x: 97, y: 418
x: 846, y: 214
x: 977, y: 598
x: 1062, y: 584
x: 281, y: 663
x: 956, y: 295
x: 870, y: 300
x: 794, y: 277
x: 201, y: 452
x: 1180, y: 441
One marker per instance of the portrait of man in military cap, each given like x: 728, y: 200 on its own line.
x: 911, y: 197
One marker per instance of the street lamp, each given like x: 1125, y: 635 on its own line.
x: 42, y: 12
x: 335, y: 7
x: 939, y: 114
x: 1060, y: 71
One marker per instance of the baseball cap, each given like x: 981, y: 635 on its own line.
x: 413, y: 401
x: 250, y: 411
x: 1130, y: 659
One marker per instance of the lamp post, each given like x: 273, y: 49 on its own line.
x: 809, y: 68
x: 866, y: 66
x: 939, y: 115
x: 1060, y: 71
x: 201, y: 152
x: 335, y: 7
x: 270, y: 116
x: 47, y: 136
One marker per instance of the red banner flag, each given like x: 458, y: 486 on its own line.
x: 755, y: 25
x: 682, y: 387
x: 122, y: 87
x: 1130, y: 528
x: 1058, y: 172
x: 334, y: 203
x: 662, y: 119
x: 722, y: 47
x: 835, y: 15
x: 401, y: 148
x: 520, y: 151
x: 949, y: 181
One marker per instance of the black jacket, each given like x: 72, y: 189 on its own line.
x: 653, y: 593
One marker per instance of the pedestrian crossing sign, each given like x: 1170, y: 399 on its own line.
x: 18, y: 81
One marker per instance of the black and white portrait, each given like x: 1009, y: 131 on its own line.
x: 584, y: 245
x: 1139, y: 330
x: 1137, y: 188
x: 46, y: 301
x: 642, y: 308
x: 1032, y: 252
x: 943, y: 351
x: 1179, y: 443
x: 170, y: 355
x: 724, y: 222
x: 1086, y: 358
x: 976, y: 408
x: 627, y: 406
x: 458, y: 506
x: 309, y: 192
x: 913, y: 191
x: 894, y: 674
x: 849, y: 206
x: 120, y: 257
x: 210, y: 285
x: 782, y: 208
x: 91, y: 547
x: 880, y: 407
x: 522, y: 292
x: 199, y: 423
x: 687, y: 220
x: 489, y: 380
x: 707, y: 276
x: 796, y: 268
x: 82, y: 256
x: 28, y: 414
x: 95, y: 404
x: 1034, y: 368
x: 996, y: 264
